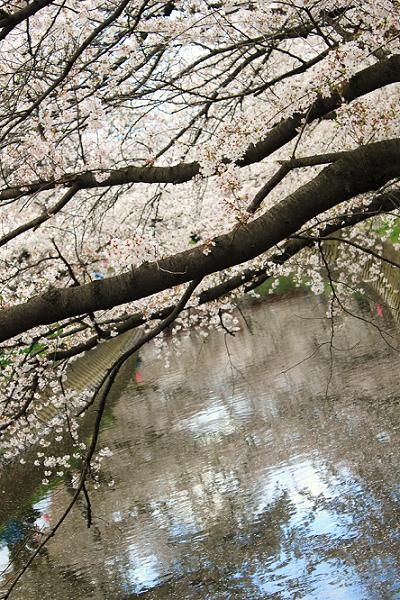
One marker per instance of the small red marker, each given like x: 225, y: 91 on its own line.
x: 138, y: 377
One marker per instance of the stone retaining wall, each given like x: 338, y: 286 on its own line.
x: 387, y: 284
x: 88, y: 370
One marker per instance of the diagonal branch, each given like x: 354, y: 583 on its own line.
x: 381, y: 204
x: 313, y: 238
x: 9, y: 21
x: 45, y: 216
x: 365, y: 169
x: 107, y: 381
x: 377, y: 76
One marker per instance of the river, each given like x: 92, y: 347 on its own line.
x: 264, y: 465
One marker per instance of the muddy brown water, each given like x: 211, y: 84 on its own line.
x: 264, y: 465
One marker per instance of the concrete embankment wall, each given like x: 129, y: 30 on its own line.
x: 87, y: 371
x: 387, y: 284
x: 382, y: 277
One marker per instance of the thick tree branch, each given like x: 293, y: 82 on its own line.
x: 382, y: 203
x: 379, y: 75
x: 365, y: 169
x: 9, y: 21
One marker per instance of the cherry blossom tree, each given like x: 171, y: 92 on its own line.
x: 160, y: 159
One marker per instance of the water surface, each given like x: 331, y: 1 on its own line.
x: 264, y: 465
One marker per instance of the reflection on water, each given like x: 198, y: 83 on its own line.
x: 237, y: 476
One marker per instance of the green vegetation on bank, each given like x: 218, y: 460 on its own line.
x: 280, y: 286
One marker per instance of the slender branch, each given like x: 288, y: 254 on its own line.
x: 313, y: 238
x: 70, y: 63
x: 336, y: 297
x: 365, y: 81
x: 88, y: 506
x: 108, y: 380
x: 45, y: 216
x: 267, y: 188
x: 311, y: 161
